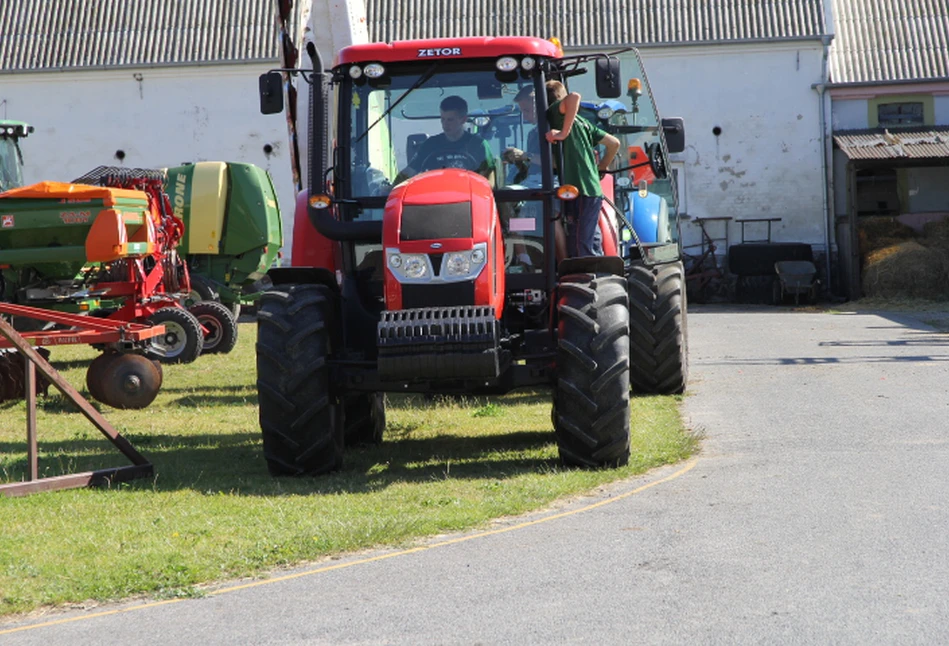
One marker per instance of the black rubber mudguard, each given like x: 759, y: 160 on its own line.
x: 592, y: 265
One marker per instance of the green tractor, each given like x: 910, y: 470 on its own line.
x: 11, y: 158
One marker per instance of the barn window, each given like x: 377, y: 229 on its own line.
x: 900, y: 114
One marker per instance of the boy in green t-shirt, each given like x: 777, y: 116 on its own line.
x: 579, y: 138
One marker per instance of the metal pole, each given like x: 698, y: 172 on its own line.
x: 32, y: 455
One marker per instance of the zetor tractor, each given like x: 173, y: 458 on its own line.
x: 448, y: 281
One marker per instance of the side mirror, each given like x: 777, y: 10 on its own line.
x: 608, y: 78
x: 271, y: 93
x: 674, y: 129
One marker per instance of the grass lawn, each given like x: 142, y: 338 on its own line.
x: 212, y: 512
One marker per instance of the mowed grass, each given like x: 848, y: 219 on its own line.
x: 212, y: 512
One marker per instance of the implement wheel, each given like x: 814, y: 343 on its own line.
x: 128, y: 381
x: 591, y: 399
x: 365, y: 418
x: 658, y: 331
x: 182, y: 341
x: 220, y: 324
x: 301, y: 417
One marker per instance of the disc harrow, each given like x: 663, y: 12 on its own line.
x: 121, y: 377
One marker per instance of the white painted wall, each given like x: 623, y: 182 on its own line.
x: 850, y: 114
x: 767, y: 160
x: 159, y: 117
x: 941, y: 110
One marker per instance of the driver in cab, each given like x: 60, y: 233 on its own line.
x: 454, y: 147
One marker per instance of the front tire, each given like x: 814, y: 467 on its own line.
x: 591, y: 398
x: 658, y: 333
x: 300, y: 417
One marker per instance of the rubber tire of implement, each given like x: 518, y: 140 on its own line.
x: 221, y: 325
x: 591, y: 398
x: 365, y: 419
x: 188, y: 324
x: 658, y: 329
x: 300, y: 417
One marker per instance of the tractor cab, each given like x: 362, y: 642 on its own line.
x: 11, y: 159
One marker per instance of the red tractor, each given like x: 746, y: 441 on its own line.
x: 421, y: 270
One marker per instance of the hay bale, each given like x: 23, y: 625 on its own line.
x: 907, y: 270
x: 881, y: 231
x: 936, y: 233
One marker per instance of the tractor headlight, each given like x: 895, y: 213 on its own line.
x: 481, y: 121
x: 506, y: 64
x: 374, y: 70
x: 464, y: 264
x: 414, y: 266
x: 528, y: 63
x: 409, y: 267
x: 458, y: 263
x: 355, y: 72
x: 605, y: 112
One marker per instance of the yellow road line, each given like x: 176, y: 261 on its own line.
x: 339, y: 566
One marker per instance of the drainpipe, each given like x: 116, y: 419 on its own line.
x: 826, y: 155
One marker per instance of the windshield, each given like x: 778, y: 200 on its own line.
x: 11, y: 172
x: 418, y: 118
x: 635, y: 123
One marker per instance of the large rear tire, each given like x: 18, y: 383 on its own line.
x: 658, y: 331
x: 365, y: 418
x: 301, y: 418
x: 591, y: 398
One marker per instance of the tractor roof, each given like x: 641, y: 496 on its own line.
x: 444, y: 48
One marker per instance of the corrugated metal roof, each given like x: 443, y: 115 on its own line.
x: 597, y: 23
x: 55, y: 34
x: 910, y: 143
x: 890, y: 40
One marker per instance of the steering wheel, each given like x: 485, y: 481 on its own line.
x: 470, y: 163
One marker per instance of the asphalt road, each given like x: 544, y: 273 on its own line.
x: 817, y: 512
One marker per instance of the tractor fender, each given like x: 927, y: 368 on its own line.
x: 310, y: 247
x: 592, y: 265
x: 303, y: 276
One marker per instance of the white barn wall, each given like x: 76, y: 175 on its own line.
x: 941, y: 110
x: 171, y: 116
x: 767, y: 160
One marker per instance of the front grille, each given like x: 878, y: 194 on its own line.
x: 438, y: 295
